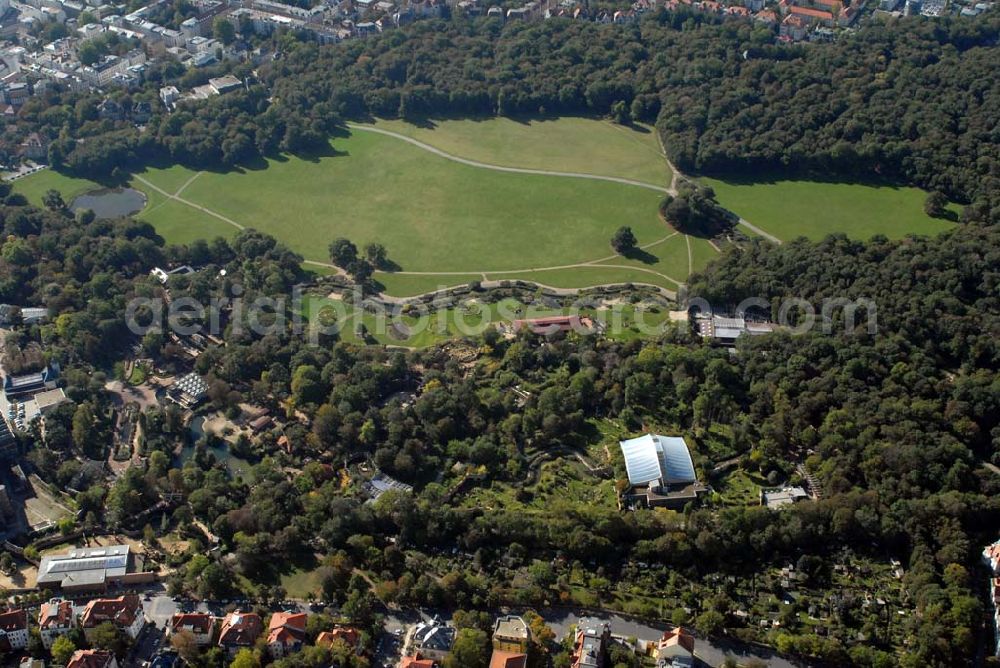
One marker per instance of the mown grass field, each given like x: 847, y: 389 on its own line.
x: 583, y: 145
x: 790, y: 209
x: 434, y: 215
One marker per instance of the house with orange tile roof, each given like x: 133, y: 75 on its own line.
x: 832, y: 6
x: 794, y: 27
x: 125, y: 612
x: 92, y: 658
x: 200, y: 625
x: 55, y: 618
x: 812, y: 15
x: 345, y: 634
x: 286, y: 632
x: 239, y: 630
x: 13, y: 630
x: 504, y: 659
x: 676, y: 647
x: 766, y: 16
x: 417, y: 661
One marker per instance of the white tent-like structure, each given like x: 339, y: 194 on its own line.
x: 652, y: 458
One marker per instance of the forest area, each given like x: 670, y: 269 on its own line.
x: 905, y: 102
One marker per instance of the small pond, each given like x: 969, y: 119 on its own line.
x: 110, y: 202
x: 235, y: 465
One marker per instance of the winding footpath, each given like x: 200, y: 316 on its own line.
x: 501, y: 168
x: 667, y: 190
x: 178, y: 198
x: 487, y: 282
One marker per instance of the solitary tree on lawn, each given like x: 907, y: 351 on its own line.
x: 624, y: 240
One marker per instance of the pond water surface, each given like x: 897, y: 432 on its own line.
x: 110, y: 202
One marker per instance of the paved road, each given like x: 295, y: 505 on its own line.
x: 160, y: 607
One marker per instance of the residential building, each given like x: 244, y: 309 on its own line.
x: 13, y: 630
x: 795, y: 28
x: 55, y: 618
x: 417, y: 661
x: 504, y: 659
x: 239, y: 630
x: 125, y: 612
x: 226, y: 84
x: 199, y: 624
x: 345, y: 634
x: 590, y: 643
x: 169, y: 96
x: 432, y: 640
x: 675, y: 649
x: 286, y: 632
x: 92, y: 658
x: 34, y: 147
x: 660, y: 473
x: 991, y: 557
x: 511, y: 634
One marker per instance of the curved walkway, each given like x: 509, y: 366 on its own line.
x: 666, y: 190
x: 176, y: 197
x: 500, y: 168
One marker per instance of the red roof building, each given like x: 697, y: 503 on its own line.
x: 505, y: 659
x: 13, y: 630
x: 198, y: 624
x: 416, y: 661
x: 553, y: 324
x: 285, y: 633
x: 345, y: 634
x: 239, y: 630
x: 125, y: 612
x: 812, y: 14
x: 92, y: 658
x: 55, y: 618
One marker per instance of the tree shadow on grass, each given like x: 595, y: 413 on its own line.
x: 641, y: 255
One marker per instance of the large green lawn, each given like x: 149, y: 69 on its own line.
x: 432, y: 214
x: 583, y: 145
x: 455, y: 222
x: 34, y: 186
x: 790, y: 209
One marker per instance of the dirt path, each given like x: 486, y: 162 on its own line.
x: 191, y: 204
x: 667, y: 190
x: 187, y: 183
x: 501, y: 168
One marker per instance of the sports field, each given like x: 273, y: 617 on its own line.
x: 813, y: 209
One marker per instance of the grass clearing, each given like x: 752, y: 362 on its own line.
x: 587, y: 145
x: 432, y: 214
x: 789, y: 209
x: 34, y: 186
